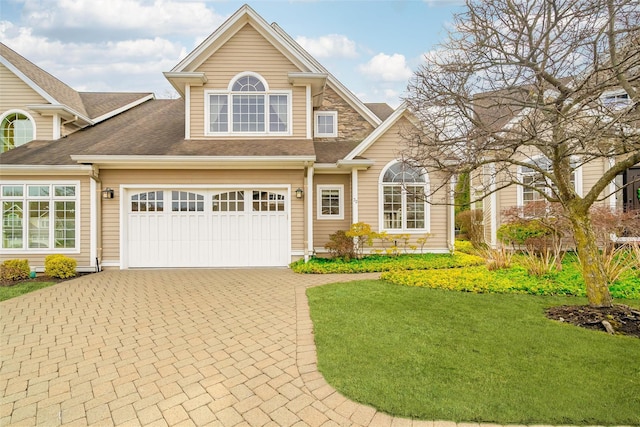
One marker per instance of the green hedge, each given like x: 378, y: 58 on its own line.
x: 378, y: 263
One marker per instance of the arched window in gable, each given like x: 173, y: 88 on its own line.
x: 248, y: 106
x: 16, y: 129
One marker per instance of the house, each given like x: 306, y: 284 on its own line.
x: 264, y: 156
x: 499, y: 189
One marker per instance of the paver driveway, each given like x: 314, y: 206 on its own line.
x: 176, y: 347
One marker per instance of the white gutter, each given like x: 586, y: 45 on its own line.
x: 354, y: 196
x: 45, y: 169
x: 178, y: 162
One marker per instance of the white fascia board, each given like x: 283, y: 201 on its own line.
x: 180, y: 79
x: 337, y: 85
x: 124, y: 108
x: 195, y: 162
x: 27, y: 80
x: 360, y: 164
x: 202, y: 47
x: 45, y: 169
x: 63, y: 110
x: 242, y: 16
x: 377, y: 133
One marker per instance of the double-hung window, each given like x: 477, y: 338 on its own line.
x: 248, y: 107
x: 404, y: 198
x: 535, y: 185
x: 330, y: 202
x: 40, y: 216
x: 326, y: 124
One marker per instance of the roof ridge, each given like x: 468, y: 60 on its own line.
x: 35, y: 73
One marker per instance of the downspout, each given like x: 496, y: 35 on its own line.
x: 95, y: 237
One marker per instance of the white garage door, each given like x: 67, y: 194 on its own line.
x: 208, y: 228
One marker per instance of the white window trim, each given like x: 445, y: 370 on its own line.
x: 25, y: 199
x: 229, y: 93
x: 340, y: 189
x: 577, y: 181
x: 316, y: 132
x: 427, y: 208
x: 29, y: 116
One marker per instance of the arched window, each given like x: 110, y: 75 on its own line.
x: 16, y: 129
x: 404, y: 198
x: 254, y: 108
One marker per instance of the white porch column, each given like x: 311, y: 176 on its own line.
x: 494, y: 205
x: 309, y: 201
x: 354, y: 196
x: 94, y: 220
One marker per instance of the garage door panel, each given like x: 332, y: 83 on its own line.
x: 211, y: 229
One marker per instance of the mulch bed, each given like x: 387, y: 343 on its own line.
x: 624, y: 320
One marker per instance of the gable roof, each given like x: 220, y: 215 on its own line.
x: 380, y: 109
x: 280, y: 40
x: 89, y: 107
x: 377, y: 133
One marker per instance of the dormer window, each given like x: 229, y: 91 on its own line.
x: 16, y: 129
x: 248, y: 107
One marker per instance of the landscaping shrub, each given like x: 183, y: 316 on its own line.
x: 60, y: 266
x: 496, y: 259
x: 470, y: 223
x: 14, y: 269
x: 464, y: 246
x: 340, y: 246
x: 361, y: 234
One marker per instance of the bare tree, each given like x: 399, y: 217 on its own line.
x: 517, y: 79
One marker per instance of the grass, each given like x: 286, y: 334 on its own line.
x: 7, y: 292
x: 433, y: 354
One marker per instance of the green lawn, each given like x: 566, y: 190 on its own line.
x: 435, y: 354
x: 13, y: 291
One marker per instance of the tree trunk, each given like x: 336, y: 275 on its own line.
x: 593, y: 271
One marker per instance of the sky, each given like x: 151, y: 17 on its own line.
x: 372, y: 47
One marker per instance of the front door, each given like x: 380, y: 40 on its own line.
x: 632, y: 189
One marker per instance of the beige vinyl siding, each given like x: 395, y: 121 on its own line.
x: 168, y: 178
x: 247, y: 50
x: 16, y: 94
x: 83, y: 258
x: 323, y: 228
x: 384, y: 150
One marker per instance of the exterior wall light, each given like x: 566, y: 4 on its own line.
x: 299, y: 193
x: 107, y: 193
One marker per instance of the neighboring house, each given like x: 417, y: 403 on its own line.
x: 493, y: 194
x: 263, y: 156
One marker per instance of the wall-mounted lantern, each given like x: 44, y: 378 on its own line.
x: 107, y: 193
x: 299, y: 193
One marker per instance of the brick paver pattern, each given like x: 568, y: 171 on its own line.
x: 172, y: 347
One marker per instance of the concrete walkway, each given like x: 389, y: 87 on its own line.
x: 171, y: 347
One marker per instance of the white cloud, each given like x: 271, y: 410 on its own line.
x: 128, y: 65
x: 383, y: 67
x: 329, y: 46
x: 68, y: 19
